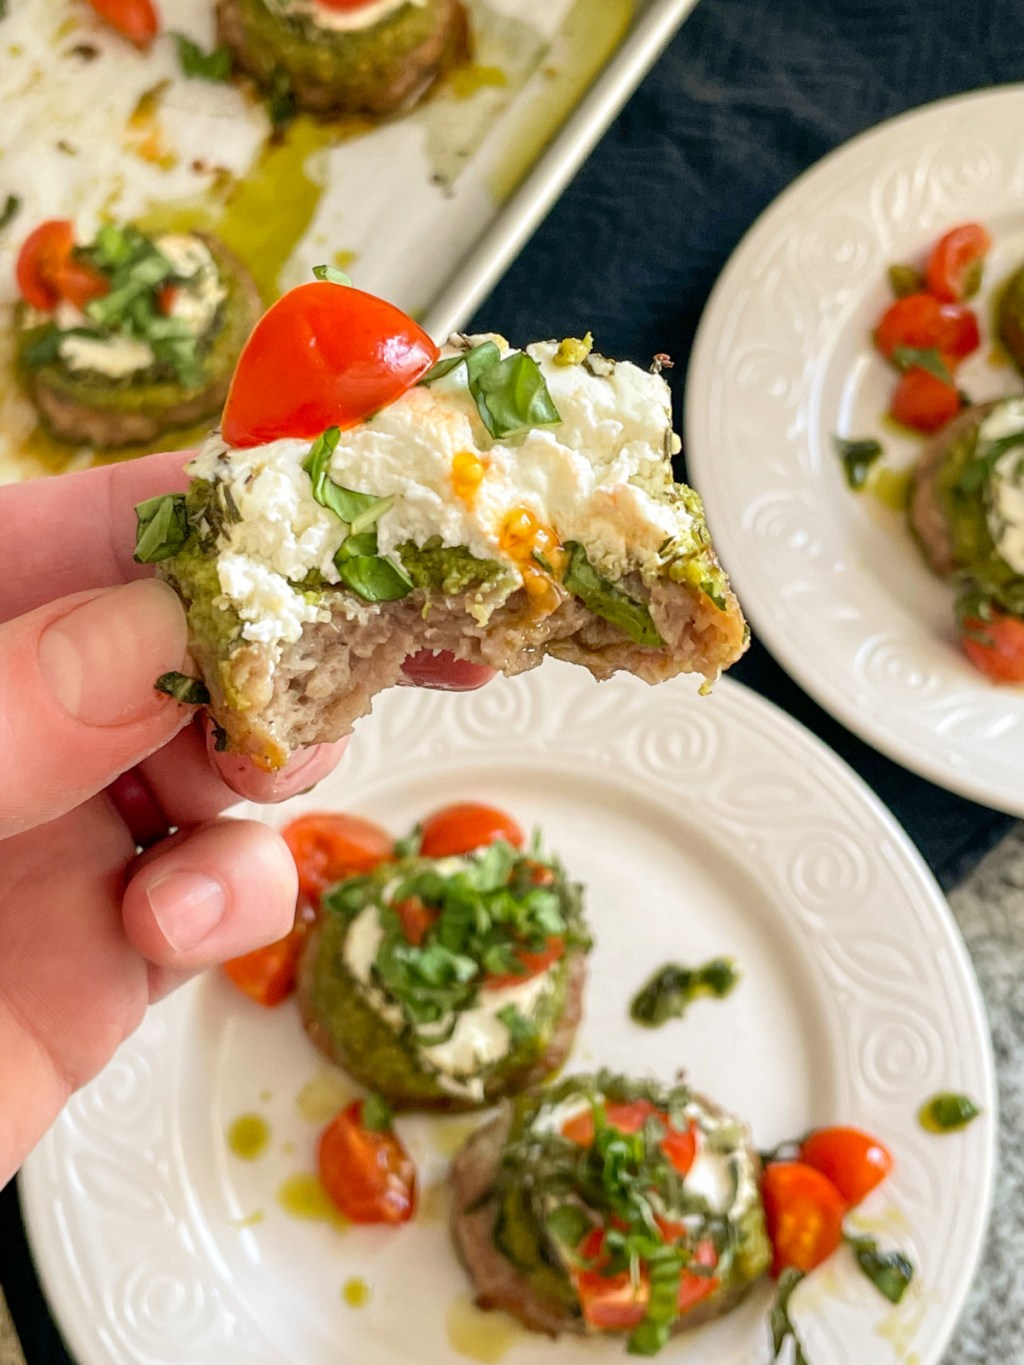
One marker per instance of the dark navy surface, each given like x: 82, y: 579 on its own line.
x: 749, y: 94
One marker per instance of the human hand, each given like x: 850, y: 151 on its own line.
x: 95, y: 763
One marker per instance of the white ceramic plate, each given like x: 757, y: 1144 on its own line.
x: 700, y: 827
x: 832, y: 581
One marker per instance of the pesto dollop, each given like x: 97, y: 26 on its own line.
x: 671, y: 990
x: 947, y: 1113
x: 450, y: 569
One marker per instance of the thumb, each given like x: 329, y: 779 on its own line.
x: 77, y: 702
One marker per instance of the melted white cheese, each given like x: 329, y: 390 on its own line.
x: 343, y: 21
x: 1004, y: 493
x: 586, y: 479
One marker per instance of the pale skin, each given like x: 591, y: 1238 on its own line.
x: 92, y: 759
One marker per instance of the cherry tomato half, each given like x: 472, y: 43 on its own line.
x: 613, y: 1303
x: 954, y: 267
x: 995, y: 647
x: 924, y: 324
x: 368, y: 1174
x: 467, y: 826
x: 48, y: 272
x: 854, y: 1161
x: 533, y: 964
x: 268, y: 975
x: 923, y: 401
x: 329, y: 847
x: 803, y: 1213
x: 136, y: 20
x: 323, y: 355
x: 679, y: 1145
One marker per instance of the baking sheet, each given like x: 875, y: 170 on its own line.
x: 426, y: 209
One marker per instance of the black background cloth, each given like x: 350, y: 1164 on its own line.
x: 749, y: 94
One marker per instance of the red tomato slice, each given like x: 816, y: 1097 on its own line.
x: 323, y: 355
x: 923, y: 323
x: 467, y: 826
x: 923, y: 401
x: 996, y: 647
x: 327, y: 848
x: 43, y: 253
x: 137, y: 20
x: 803, y: 1213
x: 268, y: 975
x: 854, y: 1161
x: 679, y: 1145
x: 368, y: 1174
x: 533, y: 965
x: 415, y: 918
x: 953, y: 266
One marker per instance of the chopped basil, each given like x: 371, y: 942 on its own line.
x: 520, y: 1029
x: 189, y: 691
x: 511, y: 394
x: 162, y: 528
x: 357, y: 510
x: 780, y: 1322
x: 978, y: 470
x: 671, y: 990
x: 889, y: 1271
x: 568, y: 1224
x: 281, y: 105
x: 215, y: 65
x: 373, y: 578
x: 607, y: 601
x: 331, y: 274
x: 12, y: 204
x: 857, y: 457
x: 948, y: 1113
x: 907, y: 357
x: 905, y: 280
x: 375, y: 1113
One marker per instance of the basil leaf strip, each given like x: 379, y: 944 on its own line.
x: 908, y: 357
x: 215, y: 65
x: 375, y: 1113
x: 11, y: 208
x: 607, y: 601
x: 373, y: 578
x: 857, y: 457
x: 331, y: 274
x: 511, y: 394
x: 162, y: 528
x: 889, y: 1271
x: 780, y: 1322
x: 358, y: 510
x: 189, y: 691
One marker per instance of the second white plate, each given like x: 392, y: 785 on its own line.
x: 831, y: 581
x: 700, y: 827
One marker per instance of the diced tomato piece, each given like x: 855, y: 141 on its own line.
x: 921, y: 323
x: 923, y: 401
x: 467, y: 826
x: 416, y: 919
x: 679, y: 1145
x: 166, y: 297
x: 533, y: 965
x: 346, y: 355
x: 995, y: 647
x: 613, y: 1303
x: 136, y: 20
x: 854, y: 1161
x: 804, y: 1215
x: 367, y: 1173
x: 954, y: 267
x: 327, y: 848
x: 268, y: 975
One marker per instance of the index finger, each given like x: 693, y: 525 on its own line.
x: 77, y: 531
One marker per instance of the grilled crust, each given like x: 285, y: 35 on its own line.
x: 71, y: 413
x: 346, y: 1053
x: 366, y: 82
x: 927, y: 517
x: 497, y: 1282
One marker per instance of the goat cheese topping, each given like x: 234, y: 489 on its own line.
x: 1005, y: 485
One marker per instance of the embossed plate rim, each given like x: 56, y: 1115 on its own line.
x: 782, y: 581
x: 793, y: 816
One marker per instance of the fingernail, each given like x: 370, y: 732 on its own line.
x: 101, y: 660
x: 186, y: 907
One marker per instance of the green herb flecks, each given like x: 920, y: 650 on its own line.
x: 780, y: 1322
x: 671, y: 990
x: 905, y: 280
x: 215, y: 65
x: 520, y: 1028
x: 977, y: 471
x: 376, y: 1115
x: 12, y: 204
x: 281, y: 103
x: 857, y: 456
x: 162, y: 528
x: 947, y: 1113
x: 331, y: 274
x: 914, y: 357
x: 511, y: 394
x: 889, y: 1271
x: 189, y: 691
x: 410, y: 844
x: 607, y: 601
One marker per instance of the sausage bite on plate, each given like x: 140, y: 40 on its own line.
x: 372, y: 58
x: 131, y: 335
x: 607, y: 1205
x: 447, y: 983
x: 501, y: 504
